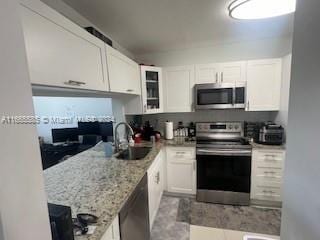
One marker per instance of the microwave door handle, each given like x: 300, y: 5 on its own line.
x: 234, y: 96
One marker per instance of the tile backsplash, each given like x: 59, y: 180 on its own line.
x: 158, y: 120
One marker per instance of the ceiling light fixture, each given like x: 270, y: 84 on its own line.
x: 258, y: 9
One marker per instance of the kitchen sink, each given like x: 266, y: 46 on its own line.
x: 134, y: 153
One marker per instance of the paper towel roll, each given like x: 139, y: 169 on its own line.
x: 168, y: 130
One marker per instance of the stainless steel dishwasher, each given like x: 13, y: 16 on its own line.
x: 134, y: 216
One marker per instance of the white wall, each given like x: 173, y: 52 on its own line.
x: 74, y: 16
x: 68, y: 107
x: 23, y: 204
x: 264, y: 48
x: 282, y: 116
x: 301, y: 201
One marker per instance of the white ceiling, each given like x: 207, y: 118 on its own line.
x: 146, y: 26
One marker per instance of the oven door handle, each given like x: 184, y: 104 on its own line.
x: 224, y: 152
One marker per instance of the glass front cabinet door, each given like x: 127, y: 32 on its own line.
x: 151, y: 78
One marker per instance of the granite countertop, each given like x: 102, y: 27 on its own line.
x: 176, y: 142
x: 271, y: 147
x: 91, y: 183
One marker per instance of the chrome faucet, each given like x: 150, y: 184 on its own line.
x: 117, y: 141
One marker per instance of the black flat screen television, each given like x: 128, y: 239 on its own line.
x: 106, y: 131
x: 65, y: 135
x: 103, y: 129
x: 89, y: 128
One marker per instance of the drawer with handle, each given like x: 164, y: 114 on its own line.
x: 267, y: 173
x: 181, y: 153
x: 266, y: 193
x: 268, y: 159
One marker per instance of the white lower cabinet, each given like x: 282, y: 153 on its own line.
x: 267, y: 175
x: 181, y: 170
x: 113, y: 232
x: 156, y: 182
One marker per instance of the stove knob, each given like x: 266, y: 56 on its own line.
x: 236, y: 127
x: 230, y: 126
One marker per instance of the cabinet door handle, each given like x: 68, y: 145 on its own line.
x: 157, y: 178
x: 221, y: 76
x: 129, y: 90
x: 216, y: 77
x: 74, y: 83
x: 145, y: 108
x: 194, y: 166
x: 270, y: 159
x: 269, y: 192
x: 248, y: 105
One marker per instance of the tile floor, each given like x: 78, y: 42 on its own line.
x: 167, y: 227
x: 205, y: 233
x: 238, y: 218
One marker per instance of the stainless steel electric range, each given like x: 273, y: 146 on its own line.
x: 223, y: 163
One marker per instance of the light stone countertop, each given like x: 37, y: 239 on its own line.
x: 271, y: 147
x: 179, y: 143
x: 91, y: 183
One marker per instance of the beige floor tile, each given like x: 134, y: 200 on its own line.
x: 237, y: 235
x: 205, y: 233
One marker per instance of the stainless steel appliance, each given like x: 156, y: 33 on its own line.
x: 219, y: 96
x: 271, y: 134
x: 223, y: 163
x: 134, y: 215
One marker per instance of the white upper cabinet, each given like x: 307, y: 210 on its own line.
x: 152, y: 89
x: 207, y: 73
x: 233, y: 72
x: 59, y: 52
x: 151, y: 99
x: 178, y: 92
x: 264, y: 85
x: 124, y: 75
x: 230, y: 72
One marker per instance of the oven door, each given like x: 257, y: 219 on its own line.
x: 224, y: 176
x: 214, y: 96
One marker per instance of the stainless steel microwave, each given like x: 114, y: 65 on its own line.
x: 219, y: 96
